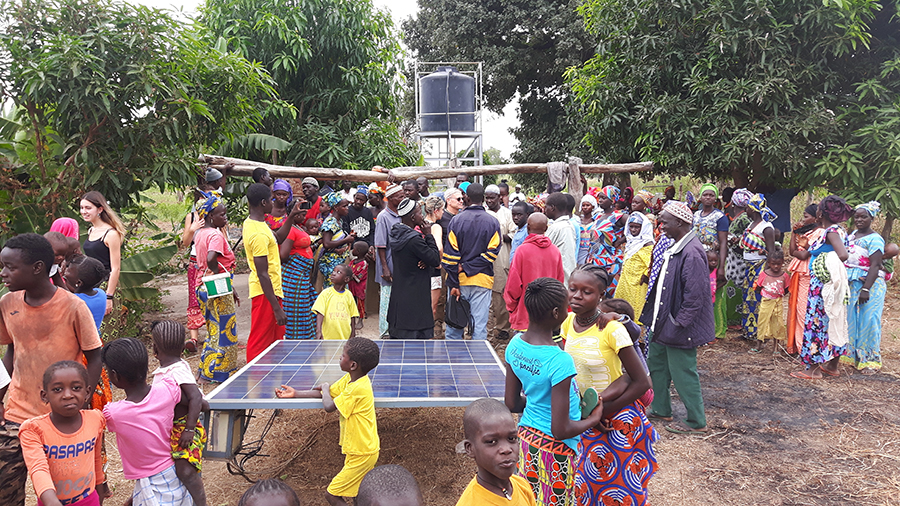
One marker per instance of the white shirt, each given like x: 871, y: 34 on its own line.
x: 180, y: 372
x: 662, y: 276
x: 4, y: 376
x: 348, y: 195
x: 562, y: 234
x: 516, y: 197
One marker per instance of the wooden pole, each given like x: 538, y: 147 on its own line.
x: 246, y: 167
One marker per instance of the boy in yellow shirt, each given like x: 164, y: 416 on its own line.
x: 335, y: 307
x: 353, y: 399
x: 492, y: 440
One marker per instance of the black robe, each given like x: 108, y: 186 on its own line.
x: 409, y: 310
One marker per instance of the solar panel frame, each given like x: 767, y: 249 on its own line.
x: 453, y: 373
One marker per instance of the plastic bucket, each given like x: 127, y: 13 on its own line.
x: 217, y: 285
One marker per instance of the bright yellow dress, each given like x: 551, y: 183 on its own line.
x: 630, y: 287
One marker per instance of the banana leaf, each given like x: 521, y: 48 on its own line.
x: 129, y: 279
x: 138, y: 293
x: 149, y: 259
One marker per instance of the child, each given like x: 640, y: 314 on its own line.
x: 60, y: 244
x: 269, y: 492
x: 188, y: 436
x: 891, y: 250
x: 773, y: 283
x: 335, y: 308
x: 298, y: 268
x: 389, y: 485
x: 41, y: 325
x: 602, y: 351
x: 62, y: 448
x: 712, y: 259
x: 82, y: 276
x: 267, y: 318
x: 352, y: 397
x: 551, y: 420
x: 492, y: 440
x: 143, y: 423
x: 360, y: 269
x: 311, y: 227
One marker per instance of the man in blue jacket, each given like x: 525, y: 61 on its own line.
x: 679, y: 314
x: 473, y: 243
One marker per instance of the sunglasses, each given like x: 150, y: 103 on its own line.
x: 460, y: 199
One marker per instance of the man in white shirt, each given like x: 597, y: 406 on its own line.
x: 516, y: 196
x: 561, y: 232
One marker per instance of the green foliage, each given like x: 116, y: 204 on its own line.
x: 113, y: 97
x: 336, y: 62
x: 728, y: 89
x: 525, y: 46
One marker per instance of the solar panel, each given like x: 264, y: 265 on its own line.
x: 409, y: 374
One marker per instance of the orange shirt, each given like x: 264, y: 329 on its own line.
x: 71, y: 464
x: 58, y: 330
x: 476, y: 495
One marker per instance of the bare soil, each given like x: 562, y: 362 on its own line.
x: 774, y: 439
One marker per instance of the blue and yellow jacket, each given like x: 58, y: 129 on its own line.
x: 473, y: 242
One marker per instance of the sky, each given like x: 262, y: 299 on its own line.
x: 495, y: 127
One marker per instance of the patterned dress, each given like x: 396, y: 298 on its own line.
x: 754, y: 244
x: 299, y: 293
x: 816, y: 348
x: 603, y: 252
x: 864, y: 320
x: 331, y: 258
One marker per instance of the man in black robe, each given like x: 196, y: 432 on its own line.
x: 415, y: 255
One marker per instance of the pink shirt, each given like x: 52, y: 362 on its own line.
x: 210, y: 239
x: 143, y: 429
x: 772, y: 287
x: 712, y: 283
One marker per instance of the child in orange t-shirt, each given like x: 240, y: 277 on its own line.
x: 62, y: 448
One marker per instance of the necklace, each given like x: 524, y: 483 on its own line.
x: 587, y: 322
x: 506, y: 492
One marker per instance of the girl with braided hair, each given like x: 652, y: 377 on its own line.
x: 551, y: 420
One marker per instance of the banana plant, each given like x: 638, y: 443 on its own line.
x: 135, y: 272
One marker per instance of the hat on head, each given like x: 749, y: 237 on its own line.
x: 406, y: 206
x: 679, y: 210
x: 392, y: 189
x: 872, y: 207
x: 741, y: 197
x: 213, y: 175
x: 361, y: 189
x: 591, y: 200
x: 374, y: 188
x: 492, y: 189
x: 310, y: 180
x: 463, y: 186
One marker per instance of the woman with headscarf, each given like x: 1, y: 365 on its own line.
x: 297, y: 268
x: 582, y: 225
x: 218, y: 358
x: 803, y: 233
x: 607, y: 234
x: 335, y: 242
x: 758, y: 243
x: 636, y: 267
x: 865, y: 248
x: 735, y: 269
x: 65, y: 226
x: 282, y: 196
x: 376, y: 199
x: 711, y: 226
x: 822, y: 348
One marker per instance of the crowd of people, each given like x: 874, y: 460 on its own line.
x: 604, y: 305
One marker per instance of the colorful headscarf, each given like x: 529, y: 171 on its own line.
x: 610, y: 192
x: 361, y: 189
x: 709, y: 186
x: 332, y: 199
x: 281, y: 184
x: 835, y: 209
x: 374, y: 188
x: 463, y: 186
x: 758, y: 204
x: 872, y: 207
x: 689, y: 199
x: 593, y: 191
x: 65, y: 226
x: 634, y: 243
x: 210, y: 201
x: 650, y: 200
x: 679, y: 210
x: 741, y: 197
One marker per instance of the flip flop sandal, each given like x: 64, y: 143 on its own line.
x: 653, y: 416
x: 829, y: 373
x: 589, y: 401
x: 684, y: 429
x: 803, y: 375
x: 191, y: 346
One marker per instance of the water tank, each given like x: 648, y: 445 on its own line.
x: 447, y: 91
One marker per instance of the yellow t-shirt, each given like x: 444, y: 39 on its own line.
x: 337, y: 309
x: 259, y: 241
x: 356, y: 404
x: 595, y: 352
x: 476, y: 495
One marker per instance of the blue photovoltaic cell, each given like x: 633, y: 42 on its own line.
x: 409, y: 373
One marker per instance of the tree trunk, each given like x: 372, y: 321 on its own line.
x: 888, y: 228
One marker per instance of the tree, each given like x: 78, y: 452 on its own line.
x: 525, y: 45
x: 728, y: 89
x: 337, y: 62
x: 112, y: 97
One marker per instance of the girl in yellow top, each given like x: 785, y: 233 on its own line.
x: 636, y: 269
x: 617, y: 464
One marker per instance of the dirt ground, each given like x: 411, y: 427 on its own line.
x: 774, y: 439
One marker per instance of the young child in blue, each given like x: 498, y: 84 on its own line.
x: 551, y: 421
x: 83, y: 275
x: 353, y: 399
